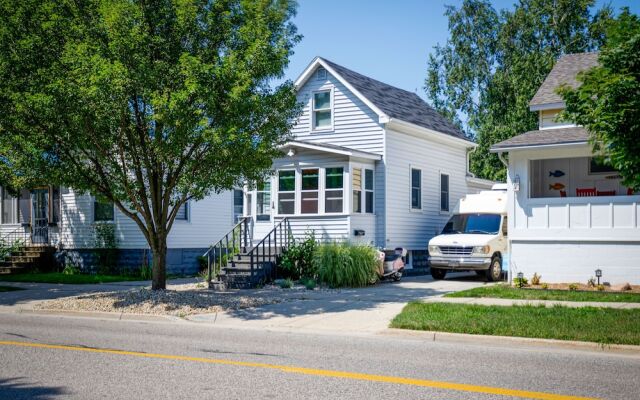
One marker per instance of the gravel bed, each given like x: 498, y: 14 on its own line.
x: 177, y: 300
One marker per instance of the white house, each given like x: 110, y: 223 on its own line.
x: 568, y: 214
x: 368, y: 162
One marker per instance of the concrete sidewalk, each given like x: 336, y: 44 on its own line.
x: 484, y: 301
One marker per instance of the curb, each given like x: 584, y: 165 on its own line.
x: 437, y: 336
x: 120, y: 316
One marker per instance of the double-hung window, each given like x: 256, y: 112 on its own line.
x: 357, y: 190
x: 102, y: 211
x: 238, y: 204
x: 444, y: 192
x: 334, y: 193
x: 368, y: 191
x: 309, y: 193
x: 416, y: 189
x: 321, y: 118
x: 9, y: 208
x: 286, y: 192
x: 263, y: 201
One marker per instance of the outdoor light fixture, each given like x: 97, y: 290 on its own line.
x: 520, y: 279
x: 598, y: 275
x: 516, y: 183
x: 291, y: 153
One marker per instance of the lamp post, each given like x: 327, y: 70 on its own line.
x: 520, y: 279
x: 598, y: 275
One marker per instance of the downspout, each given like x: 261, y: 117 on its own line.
x: 504, y: 162
x: 509, y: 272
x: 469, y: 173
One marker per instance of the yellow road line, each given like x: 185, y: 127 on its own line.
x: 318, y: 372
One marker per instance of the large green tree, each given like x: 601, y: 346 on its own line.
x: 148, y: 104
x: 486, y: 73
x: 607, y: 103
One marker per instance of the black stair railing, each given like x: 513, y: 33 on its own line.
x: 272, y: 245
x: 12, y: 241
x: 237, y: 240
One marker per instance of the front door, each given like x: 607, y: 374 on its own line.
x: 40, y: 216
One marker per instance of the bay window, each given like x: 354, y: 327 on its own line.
x: 286, y: 192
x: 309, y: 192
x: 334, y: 192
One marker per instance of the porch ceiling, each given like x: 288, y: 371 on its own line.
x: 545, y: 137
x: 332, y: 148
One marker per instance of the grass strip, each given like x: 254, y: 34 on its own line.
x: 589, y: 324
x: 58, y: 277
x: 508, y: 292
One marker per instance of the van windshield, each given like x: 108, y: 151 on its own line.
x: 488, y: 224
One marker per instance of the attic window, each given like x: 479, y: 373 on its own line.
x: 321, y: 74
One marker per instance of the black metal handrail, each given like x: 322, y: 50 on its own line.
x: 11, y: 241
x: 281, y: 233
x: 238, y: 239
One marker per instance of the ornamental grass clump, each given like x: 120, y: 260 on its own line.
x: 346, y: 264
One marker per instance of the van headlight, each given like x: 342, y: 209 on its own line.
x: 434, y: 250
x: 481, y: 249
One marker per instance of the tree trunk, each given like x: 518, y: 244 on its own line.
x: 159, y: 268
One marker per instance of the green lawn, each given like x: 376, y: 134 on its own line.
x: 508, y: 292
x: 58, y: 277
x: 601, y: 325
x: 8, y: 288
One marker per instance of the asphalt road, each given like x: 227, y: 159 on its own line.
x: 87, y: 358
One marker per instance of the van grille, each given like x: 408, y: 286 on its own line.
x: 456, y: 250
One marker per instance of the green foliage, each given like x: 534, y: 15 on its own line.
x: 535, y: 279
x: 310, y: 284
x: 607, y: 102
x: 59, y: 277
x: 145, y: 272
x: 285, y: 283
x: 573, y: 286
x: 494, y: 62
x: 204, y: 275
x: 297, y: 260
x: 600, y: 288
x: 507, y: 292
x: 545, y: 286
x: 519, y: 282
x: 202, y: 263
x: 145, y: 104
x: 346, y: 264
x: 7, y: 248
x: 70, y: 269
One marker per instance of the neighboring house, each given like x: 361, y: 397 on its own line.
x: 369, y: 162
x: 568, y: 215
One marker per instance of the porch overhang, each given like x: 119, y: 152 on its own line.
x: 333, y: 149
x: 543, y: 139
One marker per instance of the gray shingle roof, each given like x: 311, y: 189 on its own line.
x: 564, y: 72
x: 544, y: 137
x: 397, y: 103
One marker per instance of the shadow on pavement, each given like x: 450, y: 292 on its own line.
x: 18, y: 388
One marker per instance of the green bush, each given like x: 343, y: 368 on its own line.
x: 520, y: 282
x: 70, y: 269
x: 345, y: 264
x: 297, y: 260
x: 145, y: 272
x: 285, y: 283
x: 310, y: 284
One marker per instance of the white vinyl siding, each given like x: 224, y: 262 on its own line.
x: 547, y: 119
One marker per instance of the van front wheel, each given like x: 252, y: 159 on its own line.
x: 494, y: 273
x: 437, y: 273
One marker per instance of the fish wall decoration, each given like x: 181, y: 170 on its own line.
x: 556, y: 186
x: 556, y: 174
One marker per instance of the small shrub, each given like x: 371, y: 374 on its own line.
x: 573, y: 286
x: 591, y: 282
x: 204, y: 275
x: 310, y: 284
x: 202, y: 263
x: 297, y: 260
x: 520, y: 282
x: 535, y: 279
x: 545, y: 286
x: 626, y: 286
x: 600, y: 288
x: 145, y: 272
x: 346, y: 265
x: 70, y: 269
x: 285, y: 283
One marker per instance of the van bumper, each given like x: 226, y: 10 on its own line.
x: 461, y: 263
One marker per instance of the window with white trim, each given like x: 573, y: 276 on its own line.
x: 334, y: 190
x: 9, y: 208
x: 356, y: 184
x: 444, y: 192
x: 309, y: 192
x: 286, y: 192
x: 263, y: 201
x: 416, y: 189
x: 368, y: 191
x: 321, y: 106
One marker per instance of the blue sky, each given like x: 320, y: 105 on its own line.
x: 385, y: 39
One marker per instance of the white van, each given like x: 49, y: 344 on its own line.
x: 475, y: 238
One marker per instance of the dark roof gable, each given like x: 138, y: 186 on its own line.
x: 397, y: 103
x: 564, y: 71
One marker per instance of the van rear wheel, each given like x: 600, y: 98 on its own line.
x: 494, y: 273
x: 437, y: 273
